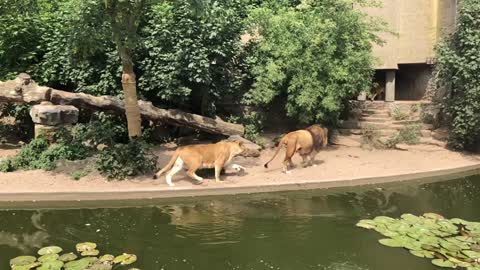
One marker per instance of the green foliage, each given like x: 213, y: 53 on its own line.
x: 317, y: 54
x: 23, y: 126
x: 371, y: 137
x: 451, y: 243
x: 458, y: 66
x: 126, y: 160
x: 102, y: 129
x: 187, y: 57
x: 409, y: 134
x: 183, y: 58
x: 121, y: 158
x: 398, y: 114
x: 39, y: 154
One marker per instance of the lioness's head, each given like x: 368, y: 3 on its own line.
x: 238, y: 147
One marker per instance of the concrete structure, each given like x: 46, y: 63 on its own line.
x: 404, y: 61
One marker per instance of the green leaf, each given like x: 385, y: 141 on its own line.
x: 49, y: 250
x: 22, y: 260
x: 125, y: 259
x: 443, y: 263
x: 423, y: 253
x: 390, y: 242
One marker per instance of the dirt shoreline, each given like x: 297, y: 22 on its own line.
x: 337, y: 166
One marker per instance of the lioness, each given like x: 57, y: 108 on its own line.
x: 306, y: 142
x: 200, y: 156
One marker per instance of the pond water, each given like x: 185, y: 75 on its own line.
x: 291, y: 231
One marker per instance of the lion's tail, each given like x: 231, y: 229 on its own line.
x: 280, y: 144
x: 169, y: 166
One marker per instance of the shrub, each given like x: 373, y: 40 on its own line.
x: 458, y: 66
x: 409, y: 134
x: 398, y: 114
x: 317, y: 54
x: 371, y: 137
x: 126, y: 160
x: 39, y: 154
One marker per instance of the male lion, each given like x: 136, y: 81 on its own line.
x: 320, y: 136
x: 300, y: 141
x: 200, y: 156
x: 308, y: 144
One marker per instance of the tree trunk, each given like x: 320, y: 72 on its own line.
x: 132, y: 110
x: 24, y: 90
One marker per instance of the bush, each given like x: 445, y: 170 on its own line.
x: 317, y: 54
x: 458, y: 67
x: 409, y: 134
x: 398, y: 114
x: 126, y: 160
x: 371, y: 137
x: 39, y: 154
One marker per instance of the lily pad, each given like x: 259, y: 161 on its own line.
x: 107, y: 258
x: 26, y: 267
x: 443, y: 263
x: 423, y: 253
x: 471, y: 254
x: 100, y: 266
x: 92, y: 252
x: 86, y: 246
x: 49, y: 250
x: 51, y: 265
x: 433, y: 216
x: 390, y: 242
x: 48, y: 257
x: 383, y: 219
x: 68, y: 257
x: 125, y: 259
x: 366, y: 224
x: 22, y: 260
x: 459, y: 221
x: 77, y: 264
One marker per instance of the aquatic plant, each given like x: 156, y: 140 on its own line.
x: 50, y: 259
x: 450, y: 243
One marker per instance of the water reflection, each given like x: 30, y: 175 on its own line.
x: 21, y: 239
x: 305, y: 230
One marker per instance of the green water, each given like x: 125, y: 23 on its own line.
x: 290, y: 231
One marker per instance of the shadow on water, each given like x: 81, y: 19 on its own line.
x: 297, y: 230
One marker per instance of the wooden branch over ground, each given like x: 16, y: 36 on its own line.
x: 24, y: 90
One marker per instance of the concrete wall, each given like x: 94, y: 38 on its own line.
x: 420, y: 24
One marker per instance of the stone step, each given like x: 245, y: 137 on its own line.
x: 375, y: 105
x: 358, y: 131
x: 354, y: 124
x: 400, y: 126
x: 406, y: 122
x: 377, y: 112
x: 384, y: 115
x: 375, y: 118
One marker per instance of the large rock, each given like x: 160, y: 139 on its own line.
x: 54, y: 115
x: 253, y: 150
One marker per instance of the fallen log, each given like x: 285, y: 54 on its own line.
x: 24, y: 90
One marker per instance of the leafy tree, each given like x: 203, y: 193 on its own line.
x: 458, y: 67
x: 188, y: 58
x: 317, y: 54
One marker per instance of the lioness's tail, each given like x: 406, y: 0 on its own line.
x: 280, y: 144
x: 169, y: 166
